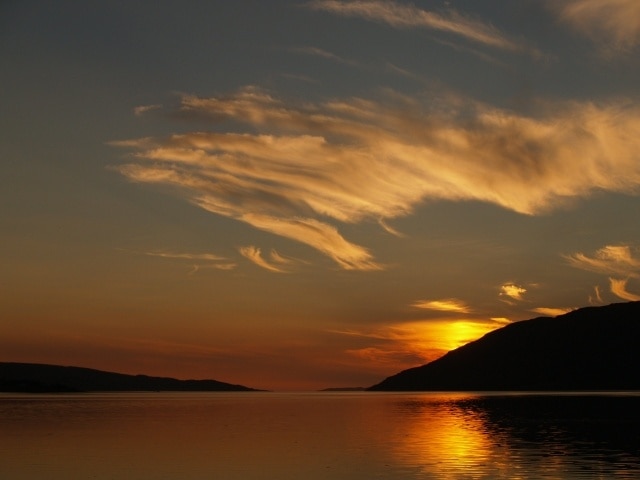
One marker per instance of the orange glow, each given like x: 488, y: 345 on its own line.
x: 461, y: 332
x: 448, y: 335
x: 405, y: 345
x: 444, y: 437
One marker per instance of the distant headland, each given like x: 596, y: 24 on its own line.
x: 42, y: 378
x: 592, y: 348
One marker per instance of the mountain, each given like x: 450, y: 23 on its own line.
x: 592, y: 348
x: 38, y: 378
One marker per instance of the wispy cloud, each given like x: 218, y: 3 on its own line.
x: 389, y: 229
x: 617, y: 260
x: 202, y: 260
x: 319, y: 52
x: 282, y: 260
x: 142, y: 109
x: 255, y: 255
x: 446, y: 305
x: 552, y: 312
x: 409, y: 16
x: 619, y: 288
x: 209, y: 257
x: 356, y: 159
x: 612, y: 24
x: 501, y: 320
x: 596, y: 298
x: 609, y: 260
x: 319, y: 235
x: 472, y: 51
x: 512, y: 291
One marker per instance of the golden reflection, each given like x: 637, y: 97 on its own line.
x: 446, y: 439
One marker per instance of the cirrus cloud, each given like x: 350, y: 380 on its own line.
x: 446, y: 305
x: 618, y: 260
x: 613, y: 24
x: 293, y: 170
x: 255, y: 255
x: 319, y: 52
x: 619, y: 288
x: 609, y: 260
x: 400, y: 15
x: 275, y: 263
x: 552, y: 311
x: 203, y: 260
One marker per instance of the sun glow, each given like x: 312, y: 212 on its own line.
x: 448, y: 335
x: 408, y: 344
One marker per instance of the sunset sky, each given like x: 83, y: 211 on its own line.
x: 307, y: 194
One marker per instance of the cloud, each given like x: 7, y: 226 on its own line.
x: 408, y: 16
x: 255, y: 255
x: 613, y: 24
x: 446, y: 305
x: 618, y: 260
x: 294, y: 170
x: 282, y: 260
x: 472, y: 51
x: 501, y: 320
x: 389, y: 229
x: 209, y: 257
x: 210, y: 260
x: 319, y: 52
x: 596, y: 299
x: 142, y: 109
x: 320, y: 236
x: 552, y: 312
x: 609, y: 260
x: 513, y: 291
x: 619, y: 288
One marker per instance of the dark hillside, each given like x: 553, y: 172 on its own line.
x: 34, y: 377
x: 592, y: 348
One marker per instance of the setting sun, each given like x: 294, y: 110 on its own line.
x: 446, y: 335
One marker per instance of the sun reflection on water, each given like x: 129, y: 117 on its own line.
x: 444, y: 439
x: 464, y: 435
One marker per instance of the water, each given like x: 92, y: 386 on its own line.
x: 319, y: 436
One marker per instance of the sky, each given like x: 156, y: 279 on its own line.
x: 296, y: 195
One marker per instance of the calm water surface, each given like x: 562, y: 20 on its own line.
x: 319, y: 436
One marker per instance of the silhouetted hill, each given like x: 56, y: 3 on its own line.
x: 593, y: 348
x: 38, y: 378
